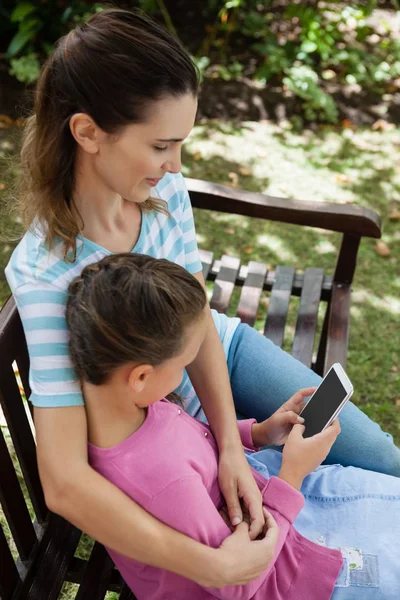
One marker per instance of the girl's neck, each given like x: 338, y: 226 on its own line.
x: 110, y: 421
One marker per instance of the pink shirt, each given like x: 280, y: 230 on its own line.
x: 170, y: 467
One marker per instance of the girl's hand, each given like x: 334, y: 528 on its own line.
x: 302, y: 455
x: 237, y: 483
x: 275, y: 430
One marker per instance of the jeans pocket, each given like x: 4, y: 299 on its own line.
x: 368, y: 576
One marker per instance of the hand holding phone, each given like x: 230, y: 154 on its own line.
x: 302, y: 455
x: 327, y: 401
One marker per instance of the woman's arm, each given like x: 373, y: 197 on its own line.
x: 209, y: 376
x: 86, y: 499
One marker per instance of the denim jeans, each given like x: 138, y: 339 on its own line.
x: 263, y: 377
x: 357, y: 511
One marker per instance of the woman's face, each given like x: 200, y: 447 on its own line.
x: 134, y: 161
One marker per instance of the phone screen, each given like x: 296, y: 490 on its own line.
x: 326, y: 400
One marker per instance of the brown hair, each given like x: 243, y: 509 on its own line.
x: 129, y: 308
x: 112, y: 68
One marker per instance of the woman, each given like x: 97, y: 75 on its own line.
x: 100, y: 166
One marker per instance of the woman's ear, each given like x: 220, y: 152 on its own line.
x: 139, y: 377
x: 85, y: 131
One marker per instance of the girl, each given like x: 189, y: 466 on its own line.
x: 100, y: 175
x: 136, y: 322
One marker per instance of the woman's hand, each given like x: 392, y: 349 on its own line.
x: 275, y: 430
x: 247, y: 559
x: 237, y: 483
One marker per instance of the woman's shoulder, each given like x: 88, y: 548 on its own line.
x: 33, y: 263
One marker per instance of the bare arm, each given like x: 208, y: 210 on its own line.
x: 79, y: 494
x: 209, y: 376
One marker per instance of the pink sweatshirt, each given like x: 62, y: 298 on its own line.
x: 170, y: 467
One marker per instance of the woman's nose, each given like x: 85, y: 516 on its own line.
x: 174, y: 163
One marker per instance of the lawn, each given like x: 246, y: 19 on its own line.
x: 331, y: 165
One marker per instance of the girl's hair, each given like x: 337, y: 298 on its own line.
x: 129, y: 308
x: 112, y: 68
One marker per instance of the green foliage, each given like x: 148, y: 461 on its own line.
x: 299, y: 45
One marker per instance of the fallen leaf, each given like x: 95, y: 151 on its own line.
x: 234, y: 177
x: 245, y: 172
x: 264, y: 302
x: 197, y: 155
x: 6, y: 121
x: 342, y: 178
x: 347, y: 124
x: 395, y: 215
x: 397, y: 402
x: 395, y: 369
x: 382, y: 248
x: 2, y: 187
x: 230, y: 231
x: 248, y: 250
x: 382, y: 125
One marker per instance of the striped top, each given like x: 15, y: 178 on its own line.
x: 39, y: 281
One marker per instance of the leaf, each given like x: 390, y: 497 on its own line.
x: 22, y: 10
x: 397, y: 402
x: 248, y: 250
x: 245, y: 172
x: 382, y: 248
x: 2, y: 187
x: 234, y: 177
x: 5, y: 121
x: 197, y: 155
x: 20, y: 39
x: 342, y: 178
x: 395, y: 215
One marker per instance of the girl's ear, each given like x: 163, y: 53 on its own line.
x: 85, y: 131
x: 139, y: 377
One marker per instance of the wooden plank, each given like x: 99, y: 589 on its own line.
x: 338, y: 326
x: 47, y: 571
x: 251, y: 292
x: 271, y: 278
x: 97, y: 575
x: 206, y: 260
x: 9, y: 577
x: 307, y: 319
x: 14, y: 506
x: 22, y: 437
x: 225, y: 283
x: 126, y: 594
x: 279, y: 305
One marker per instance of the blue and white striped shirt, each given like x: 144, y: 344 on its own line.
x: 39, y: 281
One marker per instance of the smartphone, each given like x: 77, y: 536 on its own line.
x: 327, y: 401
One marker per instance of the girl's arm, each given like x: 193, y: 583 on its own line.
x: 86, y: 499
x: 209, y: 376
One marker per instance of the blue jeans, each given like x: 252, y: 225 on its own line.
x: 357, y: 511
x: 263, y: 377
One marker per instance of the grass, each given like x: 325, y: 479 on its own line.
x: 361, y: 166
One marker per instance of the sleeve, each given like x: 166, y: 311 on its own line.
x: 186, y: 506
x: 52, y: 378
x: 244, y: 426
x: 192, y: 257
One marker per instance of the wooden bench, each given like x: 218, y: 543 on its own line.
x: 45, y: 543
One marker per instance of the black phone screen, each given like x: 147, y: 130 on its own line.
x: 328, y: 397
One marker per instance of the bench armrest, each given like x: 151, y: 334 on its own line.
x: 345, y: 218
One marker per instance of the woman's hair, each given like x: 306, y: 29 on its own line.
x: 129, y: 308
x: 112, y: 68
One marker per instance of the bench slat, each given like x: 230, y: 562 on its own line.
x: 9, y: 577
x: 251, y: 292
x: 307, y: 319
x: 225, y: 283
x: 206, y: 261
x: 279, y: 305
x: 13, y: 504
x: 338, y: 326
x: 97, y: 575
x: 126, y: 594
x: 22, y: 437
x: 48, y: 569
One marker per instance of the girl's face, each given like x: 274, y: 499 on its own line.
x: 163, y: 379
x: 135, y: 160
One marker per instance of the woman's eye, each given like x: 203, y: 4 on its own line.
x: 160, y: 148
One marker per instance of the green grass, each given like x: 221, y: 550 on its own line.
x: 330, y: 165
